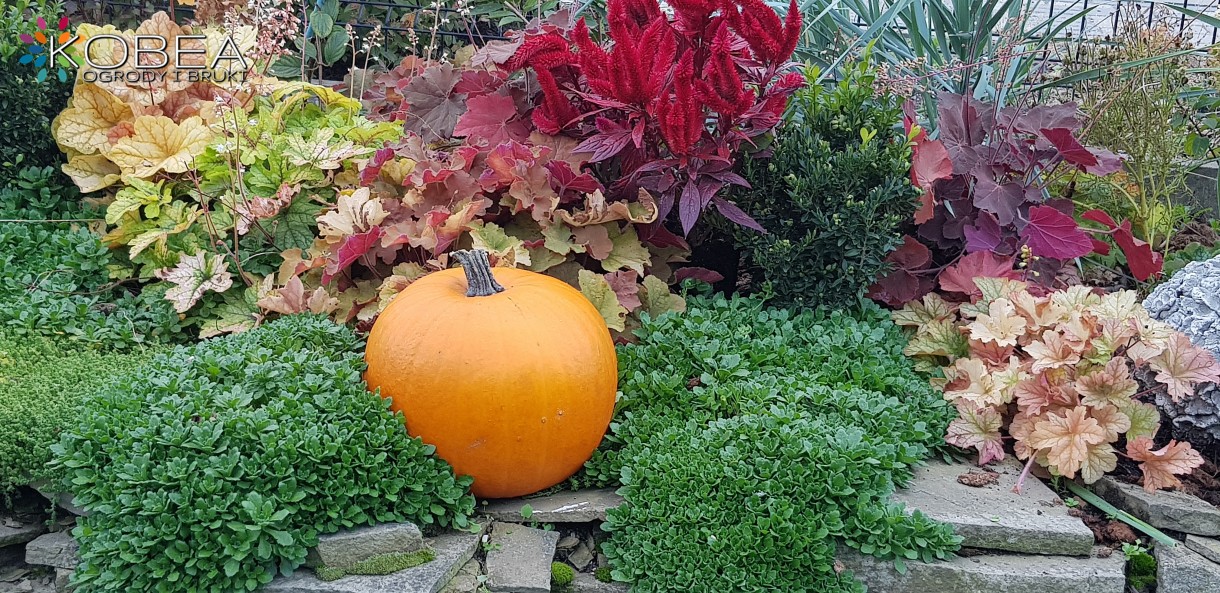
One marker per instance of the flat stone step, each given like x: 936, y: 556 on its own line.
x: 1182, y: 570
x: 581, y: 506
x: 587, y: 583
x: 63, y: 500
x: 452, y: 551
x: 53, y: 549
x: 1172, y: 510
x: 995, y: 573
x: 1207, y: 547
x: 349, y: 547
x: 19, y: 534
x: 519, y: 559
x: 992, y: 516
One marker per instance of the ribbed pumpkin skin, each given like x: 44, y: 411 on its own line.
x: 515, y: 389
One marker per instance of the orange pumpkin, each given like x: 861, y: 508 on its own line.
x: 510, y: 374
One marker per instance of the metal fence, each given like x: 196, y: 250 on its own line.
x: 1102, y: 18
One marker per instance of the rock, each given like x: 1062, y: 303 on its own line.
x: 998, y: 573
x: 453, y: 550
x: 519, y: 559
x: 1176, y: 511
x: 581, y: 556
x: 1190, y: 302
x: 567, y: 542
x: 346, y: 548
x: 20, y: 533
x: 53, y: 549
x: 565, y: 507
x: 1181, y: 570
x: 63, y: 580
x: 992, y: 516
x: 63, y: 500
x: 602, y: 560
x: 1208, y: 548
x: 466, y: 580
x: 587, y: 583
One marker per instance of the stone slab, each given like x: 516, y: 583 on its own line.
x: 519, y: 559
x: 64, y: 500
x: 1172, y: 510
x: 587, y: 583
x: 1182, y: 570
x: 349, y: 547
x: 12, y: 536
x: 998, y: 573
x: 466, y: 580
x: 993, y: 517
x: 452, y: 551
x: 53, y: 549
x: 581, y: 506
x: 1204, y: 546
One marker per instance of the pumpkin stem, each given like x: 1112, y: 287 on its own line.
x: 479, y: 281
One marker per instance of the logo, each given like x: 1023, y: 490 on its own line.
x: 132, y: 57
x: 48, y: 49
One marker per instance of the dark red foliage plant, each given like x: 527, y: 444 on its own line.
x: 987, y: 208
x: 668, y: 103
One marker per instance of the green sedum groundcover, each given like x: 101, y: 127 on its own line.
x: 751, y: 442
x: 217, y: 465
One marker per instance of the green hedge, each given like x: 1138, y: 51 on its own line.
x: 750, y: 442
x: 216, y: 466
x: 833, y: 196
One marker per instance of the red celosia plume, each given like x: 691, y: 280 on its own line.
x: 769, y: 39
x: 681, y: 118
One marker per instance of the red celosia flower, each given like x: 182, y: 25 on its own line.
x: 721, y: 87
x: 556, y: 111
x: 541, y: 52
x: 681, y: 118
x: 769, y: 40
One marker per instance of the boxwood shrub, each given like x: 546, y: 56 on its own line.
x: 217, y: 465
x: 750, y: 443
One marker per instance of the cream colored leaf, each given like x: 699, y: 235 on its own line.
x: 91, y: 172
x: 356, y: 212
x: 94, y: 111
x: 1000, y: 325
x: 161, y: 145
x: 193, y: 276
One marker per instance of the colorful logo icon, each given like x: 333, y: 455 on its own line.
x: 48, y: 49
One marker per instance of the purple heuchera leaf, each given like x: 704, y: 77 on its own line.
x: 1051, y: 233
x: 1000, y: 200
x: 984, y: 234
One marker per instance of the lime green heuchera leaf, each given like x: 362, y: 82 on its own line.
x: 318, y: 151
x: 239, y: 312
x: 195, y: 275
x: 656, y: 299
x: 139, y: 193
x: 595, y: 288
x: 509, y: 251
x: 938, y: 338
x: 917, y: 313
x: 1145, y: 419
x: 628, y: 251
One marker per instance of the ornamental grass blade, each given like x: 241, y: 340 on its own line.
x: 1121, y: 515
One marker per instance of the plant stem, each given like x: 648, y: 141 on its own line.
x: 479, y: 281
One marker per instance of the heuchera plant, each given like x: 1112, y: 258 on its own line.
x: 670, y: 101
x: 471, y: 171
x: 1056, y: 372
x: 986, y: 208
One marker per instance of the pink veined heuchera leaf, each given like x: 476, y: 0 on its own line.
x: 977, y: 428
x: 1162, y: 466
x: 1067, y: 438
x: 1051, y: 233
x: 1183, y: 365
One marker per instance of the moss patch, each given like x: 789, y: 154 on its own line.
x: 561, y: 574
x: 378, y: 565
